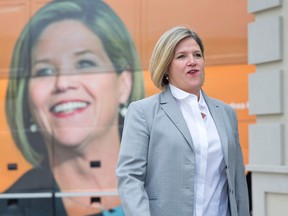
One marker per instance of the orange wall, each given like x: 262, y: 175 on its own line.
x: 225, y: 40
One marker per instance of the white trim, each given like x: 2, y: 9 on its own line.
x: 90, y: 193
x: 25, y: 195
x: 57, y: 194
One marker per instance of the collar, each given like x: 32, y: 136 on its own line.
x: 180, y: 95
x: 201, y: 102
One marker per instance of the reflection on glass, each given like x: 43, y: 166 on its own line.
x: 78, y: 72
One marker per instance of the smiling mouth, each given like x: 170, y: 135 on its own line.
x: 69, y: 107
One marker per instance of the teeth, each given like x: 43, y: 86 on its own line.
x: 69, y: 107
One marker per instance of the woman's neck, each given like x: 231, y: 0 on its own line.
x: 90, y: 170
x: 90, y: 164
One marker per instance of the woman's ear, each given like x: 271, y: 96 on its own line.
x: 124, y: 86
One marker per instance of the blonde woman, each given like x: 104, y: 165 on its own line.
x: 180, y: 151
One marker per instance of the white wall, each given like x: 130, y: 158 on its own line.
x: 268, y: 143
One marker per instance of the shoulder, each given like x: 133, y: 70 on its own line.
x: 143, y: 111
x: 35, y: 180
x: 148, y: 103
x: 148, y: 100
x: 220, y: 104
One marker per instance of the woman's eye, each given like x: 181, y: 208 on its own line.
x: 44, y: 72
x: 85, y: 64
x: 197, y: 55
x: 180, y: 56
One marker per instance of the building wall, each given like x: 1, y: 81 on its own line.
x: 268, y: 159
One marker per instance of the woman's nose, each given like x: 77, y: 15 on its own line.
x: 66, y: 79
x: 191, y: 60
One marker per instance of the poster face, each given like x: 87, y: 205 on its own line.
x: 73, y: 72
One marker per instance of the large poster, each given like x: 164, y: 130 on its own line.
x: 73, y: 72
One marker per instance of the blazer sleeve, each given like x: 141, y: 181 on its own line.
x: 131, y: 167
x: 241, y: 190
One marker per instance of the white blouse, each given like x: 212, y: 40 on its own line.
x: 211, y: 189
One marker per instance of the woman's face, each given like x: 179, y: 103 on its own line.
x: 186, y: 70
x: 74, y: 92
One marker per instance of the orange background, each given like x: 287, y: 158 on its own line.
x: 222, y: 26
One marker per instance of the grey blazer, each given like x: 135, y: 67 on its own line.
x: 155, y: 169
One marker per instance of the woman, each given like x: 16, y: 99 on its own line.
x: 73, y: 73
x: 180, y: 151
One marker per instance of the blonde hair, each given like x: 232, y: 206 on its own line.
x: 163, y: 53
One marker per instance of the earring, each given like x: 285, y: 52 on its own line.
x: 123, y: 110
x: 166, y: 76
x: 33, y: 126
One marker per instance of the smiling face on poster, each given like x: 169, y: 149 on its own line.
x: 72, y: 82
x: 74, y: 71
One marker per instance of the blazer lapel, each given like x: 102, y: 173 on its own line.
x: 216, y: 113
x: 170, y: 107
